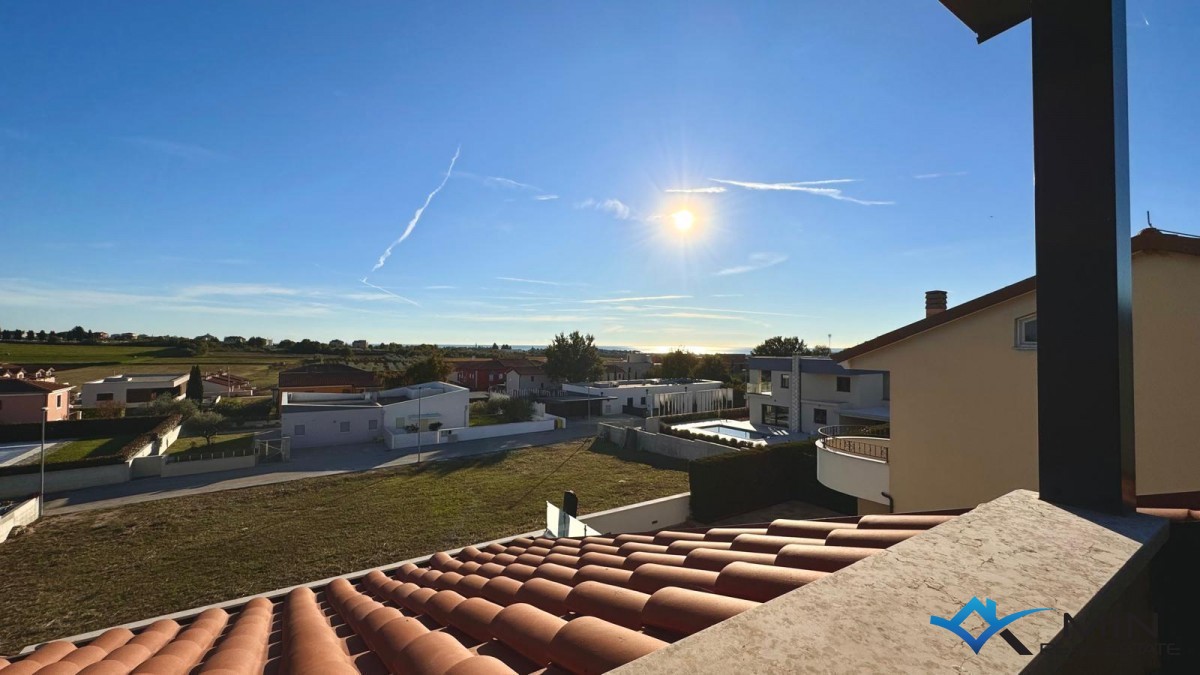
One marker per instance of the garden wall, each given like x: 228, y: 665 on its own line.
x: 124, y: 426
x: 662, y: 444
x: 23, y: 484
x: 209, y: 465
x: 25, y: 513
x: 642, y: 517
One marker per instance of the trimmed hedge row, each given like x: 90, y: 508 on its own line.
x: 122, y: 426
x: 737, y: 482
x: 729, y: 413
x: 142, y: 440
x: 719, y: 440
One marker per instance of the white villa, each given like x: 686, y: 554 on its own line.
x: 660, y: 396
x: 804, y: 393
x: 321, y: 419
x: 131, y: 390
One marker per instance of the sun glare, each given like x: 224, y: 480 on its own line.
x: 683, y: 220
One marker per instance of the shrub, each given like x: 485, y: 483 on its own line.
x: 733, y: 483
x: 159, y: 431
x: 517, y: 410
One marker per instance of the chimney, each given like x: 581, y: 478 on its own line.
x: 935, y: 302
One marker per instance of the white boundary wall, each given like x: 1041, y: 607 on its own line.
x: 24, y: 514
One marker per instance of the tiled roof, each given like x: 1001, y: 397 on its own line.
x: 583, y: 605
x: 325, y: 374
x: 26, y: 386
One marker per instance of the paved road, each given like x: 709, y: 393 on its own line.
x: 305, y: 463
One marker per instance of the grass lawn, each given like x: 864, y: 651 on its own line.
x: 79, y: 572
x: 97, y: 361
x: 486, y: 419
x: 92, y: 447
x: 194, y: 445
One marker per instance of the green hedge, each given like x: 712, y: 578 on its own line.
x: 31, y: 433
x: 142, y: 440
x: 737, y: 482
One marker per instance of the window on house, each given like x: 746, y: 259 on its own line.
x: 1027, y: 332
x: 372, y: 424
x: 820, y: 416
x: 104, y: 397
x: 298, y: 430
x: 843, y: 384
x: 887, y: 386
x: 58, y: 401
x: 775, y: 415
x: 785, y: 381
x: 345, y: 426
x: 643, y: 400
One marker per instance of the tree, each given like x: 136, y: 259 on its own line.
x: 506, y: 347
x: 495, y: 346
x: 77, y: 333
x: 679, y: 363
x: 430, y: 369
x: 712, y: 367
x: 573, y: 358
x: 195, y: 385
x: 206, y: 424
x: 41, y: 336
x: 256, y: 342
x: 166, y: 404
x: 781, y: 346
x: 107, y: 410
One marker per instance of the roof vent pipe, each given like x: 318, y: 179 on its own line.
x: 935, y: 302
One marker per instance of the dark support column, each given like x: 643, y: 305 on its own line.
x: 1084, y: 285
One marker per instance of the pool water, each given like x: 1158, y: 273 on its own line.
x: 735, y: 432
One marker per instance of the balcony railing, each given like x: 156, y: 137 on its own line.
x: 856, y: 440
x: 758, y: 388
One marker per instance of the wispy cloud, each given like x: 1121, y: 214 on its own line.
x: 417, y: 216
x: 613, y: 207
x: 926, y: 176
x: 807, y: 187
x: 641, y: 299
x: 727, y: 295
x: 545, y: 198
x: 394, y: 295
x: 540, y: 282
x: 440, y: 288
x: 757, y: 261
x: 710, y: 190
x: 173, y: 148
x: 240, y: 290
x: 499, y: 181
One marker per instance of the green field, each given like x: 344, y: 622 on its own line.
x: 97, y: 361
x: 79, y: 572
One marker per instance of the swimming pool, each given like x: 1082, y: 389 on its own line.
x: 734, y: 432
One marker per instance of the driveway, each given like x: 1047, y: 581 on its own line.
x: 307, y: 463
x: 14, y: 453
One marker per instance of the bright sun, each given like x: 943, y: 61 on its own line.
x: 683, y: 220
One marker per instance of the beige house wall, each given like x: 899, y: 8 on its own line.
x: 964, y: 398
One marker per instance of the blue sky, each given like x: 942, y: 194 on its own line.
x: 240, y: 168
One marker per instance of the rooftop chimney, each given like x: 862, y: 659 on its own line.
x: 935, y: 302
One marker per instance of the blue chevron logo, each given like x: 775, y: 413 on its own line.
x: 987, y: 610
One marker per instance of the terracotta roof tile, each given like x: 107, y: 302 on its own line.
x: 527, y: 605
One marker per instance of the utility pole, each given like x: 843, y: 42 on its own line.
x: 42, y: 491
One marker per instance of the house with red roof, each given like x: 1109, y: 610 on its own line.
x: 22, y: 400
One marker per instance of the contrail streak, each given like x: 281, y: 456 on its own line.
x: 395, y: 295
x: 417, y: 216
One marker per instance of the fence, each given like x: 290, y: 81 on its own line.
x: 856, y: 440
